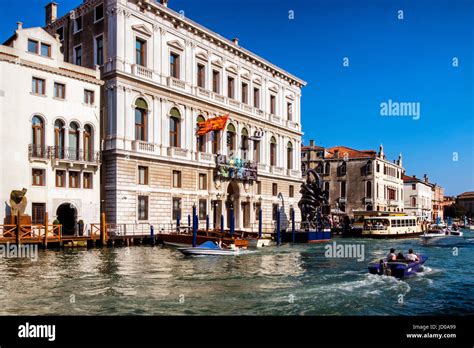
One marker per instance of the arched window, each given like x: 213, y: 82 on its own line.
x: 343, y: 168
x: 368, y: 189
x: 230, y: 139
x: 256, y: 148
x: 289, y: 155
x: 327, y: 168
x: 175, y: 121
x: 59, y: 139
x: 201, y: 139
x: 38, y: 148
x: 141, y: 115
x: 73, y: 151
x: 216, y: 139
x: 88, y: 144
x: 245, y: 143
x: 273, y: 148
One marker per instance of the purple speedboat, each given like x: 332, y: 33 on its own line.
x: 399, y: 268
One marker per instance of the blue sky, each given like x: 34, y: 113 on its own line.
x: 408, y: 60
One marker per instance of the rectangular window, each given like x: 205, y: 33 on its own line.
x: 256, y: 98
x: 203, y: 181
x: 78, y: 24
x: 87, y: 178
x: 201, y: 75
x: 38, y: 211
x: 142, y: 207
x: 38, y: 177
x: 215, y: 141
x: 272, y: 104
x: 74, y: 179
x: 142, y: 175
x: 176, y: 178
x: 413, y: 186
x: 256, y: 151
x: 45, y: 50
x: 216, y: 79
x: 174, y: 65
x: 78, y: 55
x: 343, y: 189
x: 259, y: 187
x: 202, y: 209
x: 60, y: 178
x: 275, y: 189
x: 289, y: 111
x: 176, y: 208
x: 245, y: 92
x: 99, y: 13
x: 99, y: 50
x: 140, y: 52
x: 292, y: 191
x: 38, y: 86
x: 88, y: 97
x: 33, y: 46
x: 60, y: 32
x: 230, y: 87
x: 59, y: 90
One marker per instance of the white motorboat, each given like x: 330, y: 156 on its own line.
x: 210, y: 248
x: 440, y: 234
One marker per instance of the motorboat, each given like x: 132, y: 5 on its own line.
x: 440, y: 234
x: 398, y: 268
x: 210, y: 248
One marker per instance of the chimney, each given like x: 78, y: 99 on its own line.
x: 400, y: 160
x: 51, y: 12
x: 311, y: 142
x: 235, y: 40
x: 381, y: 154
x: 19, y: 25
x: 425, y: 177
x: 164, y: 3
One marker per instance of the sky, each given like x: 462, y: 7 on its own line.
x: 355, y: 55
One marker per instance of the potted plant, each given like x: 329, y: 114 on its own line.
x: 80, y: 224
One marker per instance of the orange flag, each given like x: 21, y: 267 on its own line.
x: 212, y: 124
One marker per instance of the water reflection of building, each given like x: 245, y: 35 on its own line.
x: 164, y: 73
x: 50, y: 130
x: 356, y: 179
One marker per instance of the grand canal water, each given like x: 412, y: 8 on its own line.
x: 288, y: 280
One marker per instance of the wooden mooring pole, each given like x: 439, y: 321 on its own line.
x: 103, y: 229
x: 46, y: 217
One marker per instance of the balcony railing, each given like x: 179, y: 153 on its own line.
x: 177, y: 152
x: 143, y: 146
x: 142, y: 71
x: 75, y: 155
x: 204, y: 157
x: 277, y: 170
x: 204, y: 92
x: 173, y: 82
x: 38, y: 152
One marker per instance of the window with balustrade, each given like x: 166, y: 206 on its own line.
x: 88, y: 143
x: 37, y: 140
x: 231, y: 132
x: 245, y: 93
x: 201, y: 75
x: 201, y: 139
x: 59, y: 138
x: 244, y: 143
x: 175, y: 127
x: 216, y: 81
x: 289, y: 155
x: 215, y: 139
x: 140, y: 51
x: 141, y: 116
x: 174, y: 65
x: 73, y: 150
x: 273, y: 151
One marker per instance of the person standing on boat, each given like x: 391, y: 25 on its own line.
x: 391, y: 255
x: 412, y: 256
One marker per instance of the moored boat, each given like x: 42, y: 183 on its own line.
x: 211, y: 249
x: 399, y: 268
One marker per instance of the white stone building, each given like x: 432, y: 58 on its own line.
x: 418, y: 197
x: 164, y: 73
x: 49, y: 131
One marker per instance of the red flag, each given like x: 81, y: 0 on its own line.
x: 212, y: 124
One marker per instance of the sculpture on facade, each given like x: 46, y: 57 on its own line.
x: 313, y: 197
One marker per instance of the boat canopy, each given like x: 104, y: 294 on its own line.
x: 209, y: 245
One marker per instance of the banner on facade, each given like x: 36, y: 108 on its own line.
x: 212, y: 124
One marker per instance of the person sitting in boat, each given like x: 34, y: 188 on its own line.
x: 400, y: 256
x: 412, y: 256
x: 391, y: 255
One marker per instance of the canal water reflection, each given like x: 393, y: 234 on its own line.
x: 288, y: 280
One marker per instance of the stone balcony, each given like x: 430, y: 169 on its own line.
x: 176, y: 83
x: 262, y: 167
x: 293, y: 173
x: 277, y: 170
x: 142, y: 71
x: 39, y: 153
x: 178, y: 153
x: 205, y: 157
x: 71, y: 156
x: 143, y: 146
x: 275, y: 118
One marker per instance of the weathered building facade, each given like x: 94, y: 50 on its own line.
x: 357, y: 179
x: 165, y: 73
x: 418, y: 197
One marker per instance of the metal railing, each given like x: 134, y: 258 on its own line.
x: 38, y: 151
